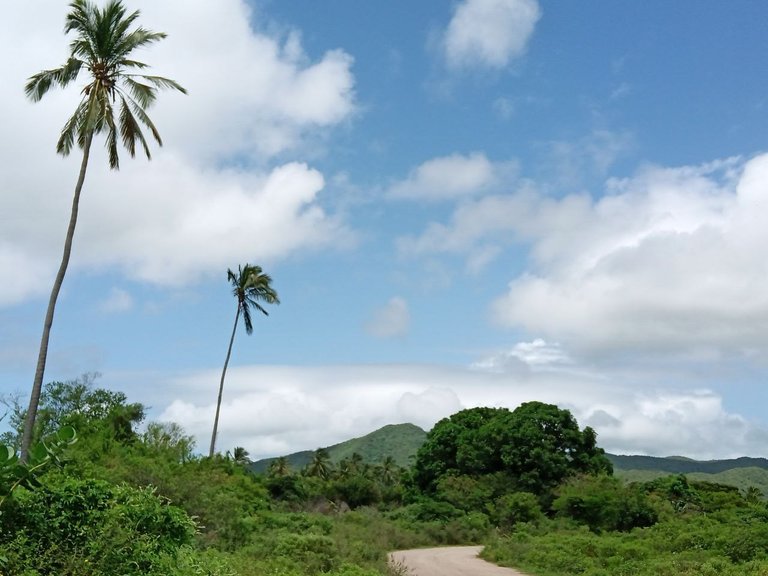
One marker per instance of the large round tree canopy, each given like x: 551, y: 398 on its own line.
x: 535, y: 446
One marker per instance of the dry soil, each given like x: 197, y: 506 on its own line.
x: 449, y: 561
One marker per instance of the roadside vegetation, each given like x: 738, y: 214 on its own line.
x: 120, y: 496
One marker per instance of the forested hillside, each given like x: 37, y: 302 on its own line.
x: 397, y: 441
x: 680, y: 465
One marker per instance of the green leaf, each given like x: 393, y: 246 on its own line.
x: 38, y: 454
x: 7, y: 455
x: 67, y: 434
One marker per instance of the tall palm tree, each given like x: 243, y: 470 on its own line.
x: 250, y: 286
x: 114, y: 102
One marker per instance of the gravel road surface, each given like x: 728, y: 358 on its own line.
x: 449, y: 561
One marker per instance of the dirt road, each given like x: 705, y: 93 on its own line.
x: 451, y: 561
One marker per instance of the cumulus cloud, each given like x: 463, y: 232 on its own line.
x: 667, y: 261
x: 448, y: 177
x: 670, y: 260
x: 391, y: 320
x: 252, y: 94
x: 489, y: 33
x: 214, y: 194
x: 479, y: 228
x: 278, y: 410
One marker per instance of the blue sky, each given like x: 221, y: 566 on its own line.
x: 478, y: 202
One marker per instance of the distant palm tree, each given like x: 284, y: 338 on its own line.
x: 279, y: 467
x: 114, y: 102
x: 388, y: 471
x: 240, y: 456
x: 250, y: 286
x: 320, y: 466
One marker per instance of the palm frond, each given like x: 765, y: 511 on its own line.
x: 38, y: 85
x: 71, y: 129
x: 161, y: 82
x: 108, y: 118
x: 143, y: 94
x: 247, y: 319
x: 126, y: 63
x: 142, y: 116
x: 138, y: 38
x: 130, y: 130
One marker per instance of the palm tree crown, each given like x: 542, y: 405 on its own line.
x: 251, y: 286
x: 102, y: 45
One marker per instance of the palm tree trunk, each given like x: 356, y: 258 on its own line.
x: 34, y: 400
x: 221, y: 385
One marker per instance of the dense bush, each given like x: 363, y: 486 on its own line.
x: 122, y: 502
x: 73, y: 526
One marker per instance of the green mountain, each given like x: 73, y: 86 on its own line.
x: 740, y: 472
x: 681, y: 465
x: 400, y: 441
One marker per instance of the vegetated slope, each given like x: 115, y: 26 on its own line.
x: 680, y: 465
x: 400, y: 441
x: 742, y: 478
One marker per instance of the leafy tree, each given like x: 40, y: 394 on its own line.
x: 102, y: 46
x: 516, y: 507
x: 250, y: 286
x: 455, y: 446
x: 605, y: 503
x: 170, y: 440
x: 535, y: 447
x: 100, y: 416
x: 541, y: 445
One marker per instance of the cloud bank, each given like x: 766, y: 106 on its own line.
x: 274, y: 410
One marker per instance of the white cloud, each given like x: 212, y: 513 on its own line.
x: 251, y: 94
x: 479, y: 228
x: 449, y: 177
x: 119, y: 300
x: 203, y: 222
x: 671, y: 261
x: 210, y: 196
x: 489, y: 33
x: 537, y: 353
x: 391, y: 320
x: 277, y: 410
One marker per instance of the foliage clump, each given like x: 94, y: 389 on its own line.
x: 133, y: 499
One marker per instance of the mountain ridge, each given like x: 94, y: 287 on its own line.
x: 402, y: 441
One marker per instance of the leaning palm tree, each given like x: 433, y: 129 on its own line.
x: 114, y: 102
x: 250, y: 286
